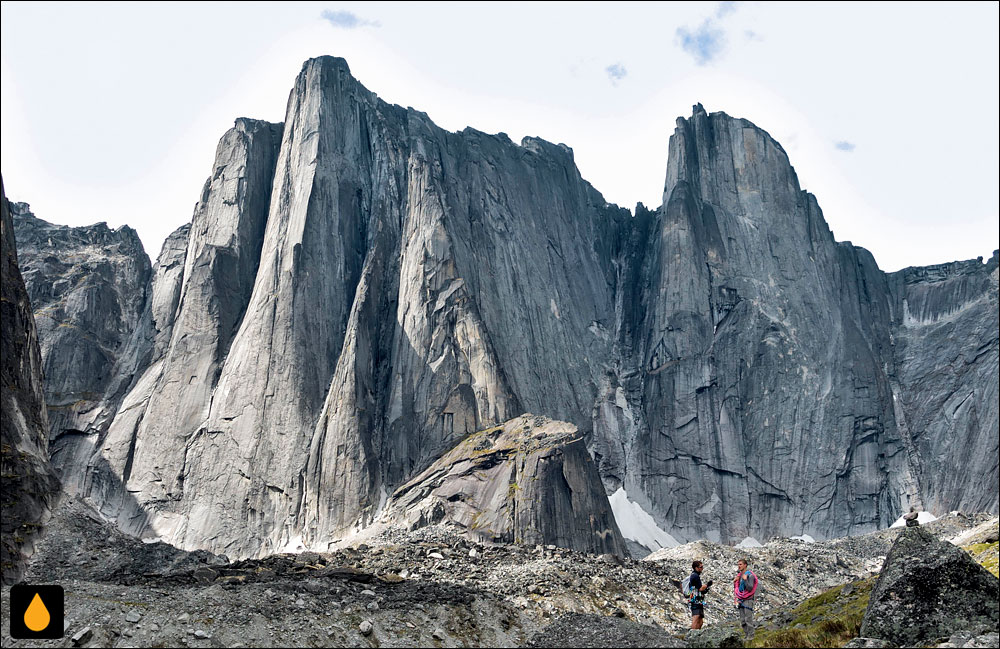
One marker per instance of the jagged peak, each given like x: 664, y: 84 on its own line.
x: 939, y: 272
x: 245, y: 123
x: 327, y: 61
x: 706, y: 141
x: 698, y: 112
x: 538, y: 145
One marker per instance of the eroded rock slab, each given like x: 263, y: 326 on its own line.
x: 529, y: 480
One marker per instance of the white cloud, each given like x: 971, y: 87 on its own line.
x: 616, y: 73
x: 346, y: 20
x: 129, y: 138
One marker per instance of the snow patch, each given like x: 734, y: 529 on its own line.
x: 636, y: 524
x: 712, y: 501
x: 749, y: 542
x: 922, y: 517
x: 804, y: 537
x: 396, y: 396
x: 621, y: 401
x: 383, y: 498
x: 293, y: 545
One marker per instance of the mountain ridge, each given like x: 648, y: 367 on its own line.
x: 360, y: 289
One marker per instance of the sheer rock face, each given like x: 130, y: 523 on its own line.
x: 386, y: 294
x: 529, y: 480
x: 83, y: 459
x: 360, y: 289
x: 777, y: 382
x: 29, y: 485
x: 89, y: 287
x: 755, y: 374
x: 203, y: 282
x: 946, y: 352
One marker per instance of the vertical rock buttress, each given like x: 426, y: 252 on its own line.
x: 29, y: 486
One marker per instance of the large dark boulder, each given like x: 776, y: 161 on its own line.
x: 928, y: 590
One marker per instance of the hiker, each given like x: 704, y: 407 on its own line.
x: 744, y: 587
x: 912, y: 519
x: 695, y: 593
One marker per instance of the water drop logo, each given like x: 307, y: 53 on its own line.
x: 36, y: 612
x: 37, y: 617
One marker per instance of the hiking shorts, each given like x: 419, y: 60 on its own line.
x: 698, y: 609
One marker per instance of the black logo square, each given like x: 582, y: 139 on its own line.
x: 36, y: 612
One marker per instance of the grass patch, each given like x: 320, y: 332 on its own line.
x: 986, y: 555
x: 830, y: 619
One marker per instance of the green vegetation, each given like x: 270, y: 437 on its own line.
x: 829, y: 619
x: 986, y: 555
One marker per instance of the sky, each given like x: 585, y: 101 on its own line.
x: 888, y: 112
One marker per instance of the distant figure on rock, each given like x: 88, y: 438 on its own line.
x: 694, y: 591
x: 912, y: 518
x: 744, y: 587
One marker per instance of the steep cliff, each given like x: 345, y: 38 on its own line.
x: 360, y: 289
x: 774, y: 381
x: 203, y: 281
x: 29, y: 485
x: 754, y: 379
x: 947, y: 336
x: 386, y: 294
x: 89, y: 289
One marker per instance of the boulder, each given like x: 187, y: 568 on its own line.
x: 867, y: 643
x: 580, y: 630
x: 929, y: 589
x: 715, y: 636
x: 527, y: 481
x: 971, y: 640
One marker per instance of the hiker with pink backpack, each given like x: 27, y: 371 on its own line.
x: 744, y: 587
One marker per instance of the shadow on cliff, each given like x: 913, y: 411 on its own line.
x: 99, y: 485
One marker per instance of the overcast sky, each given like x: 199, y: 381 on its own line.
x: 889, y: 113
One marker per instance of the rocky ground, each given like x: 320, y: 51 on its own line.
x: 429, y: 587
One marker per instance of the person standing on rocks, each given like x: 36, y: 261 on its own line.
x: 744, y: 588
x: 695, y: 592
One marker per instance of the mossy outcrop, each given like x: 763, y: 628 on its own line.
x: 825, y: 620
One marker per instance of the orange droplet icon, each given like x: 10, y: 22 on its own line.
x: 36, y: 617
